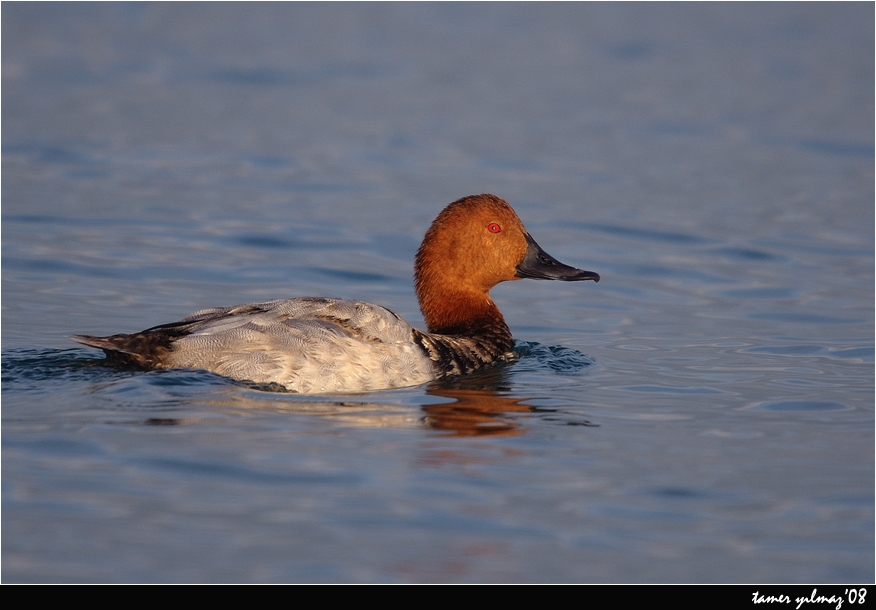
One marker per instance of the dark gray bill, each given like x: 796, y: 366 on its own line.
x: 539, y: 265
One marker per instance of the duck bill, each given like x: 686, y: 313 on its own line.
x: 539, y: 265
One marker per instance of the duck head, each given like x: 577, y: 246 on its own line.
x: 473, y: 244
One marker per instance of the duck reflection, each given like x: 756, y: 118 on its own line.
x: 474, y: 413
x: 478, y: 405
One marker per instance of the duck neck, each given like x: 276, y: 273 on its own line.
x: 465, y: 332
x: 454, y: 311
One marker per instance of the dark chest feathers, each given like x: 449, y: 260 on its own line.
x: 460, y: 354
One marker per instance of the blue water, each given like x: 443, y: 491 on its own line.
x: 703, y: 414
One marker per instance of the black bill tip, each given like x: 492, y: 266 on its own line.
x: 539, y: 265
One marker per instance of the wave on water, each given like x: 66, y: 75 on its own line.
x: 25, y: 369
x: 561, y: 360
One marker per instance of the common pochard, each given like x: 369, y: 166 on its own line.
x: 320, y: 345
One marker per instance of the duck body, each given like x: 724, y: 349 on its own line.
x: 308, y: 345
x: 323, y: 345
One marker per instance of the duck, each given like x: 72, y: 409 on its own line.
x: 312, y: 345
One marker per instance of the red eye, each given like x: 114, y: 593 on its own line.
x: 494, y: 228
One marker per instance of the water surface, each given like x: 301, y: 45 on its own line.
x: 703, y: 414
